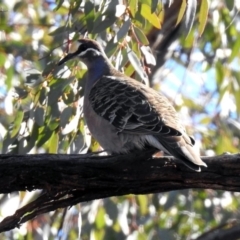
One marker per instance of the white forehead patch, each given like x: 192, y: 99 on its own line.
x: 94, y: 52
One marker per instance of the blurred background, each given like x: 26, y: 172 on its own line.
x: 188, y: 50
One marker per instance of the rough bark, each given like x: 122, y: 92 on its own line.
x: 69, y: 179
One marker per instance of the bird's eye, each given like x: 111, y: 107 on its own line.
x: 83, y: 47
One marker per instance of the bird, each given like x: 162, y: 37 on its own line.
x: 126, y: 116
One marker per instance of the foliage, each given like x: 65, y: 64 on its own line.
x: 40, y: 103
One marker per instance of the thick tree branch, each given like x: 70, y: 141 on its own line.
x: 229, y: 230
x: 70, y: 179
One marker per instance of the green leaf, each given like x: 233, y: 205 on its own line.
x: 100, y: 220
x: 44, y: 136
x: 219, y: 73
x: 39, y: 116
x: 48, y: 70
x: 133, y: 58
x: 203, y: 16
x: 133, y: 6
x: 53, y: 143
x: 181, y: 11
x: 32, y: 139
x: 89, y: 15
x: 225, y: 145
x: 111, y: 47
x: 140, y: 21
x: 154, y: 5
x: 59, y: 4
x: 122, y: 31
x: 43, y: 96
x: 124, y: 58
x: 54, y: 123
x: 103, y: 22
x: 10, y: 74
x: 206, y: 120
x: 65, y: 116
x: 56, y: 89
x: 236, y: 88
x: 230, y: 4
x: 129, y: 70
x: 59, y: 31
x: 189, y: 40
x: 17, y: 123
x: 235, y: 50
x: 147, y: 2
x: 190, y: 15
x: 2, y: 59
x: 98, y: 234
x: 62, y: 10
x: 150, y: 17
x: 143, y: 204
x: 140, y: 36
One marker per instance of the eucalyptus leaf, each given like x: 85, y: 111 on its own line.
x: 140, y: 36
x: 65, y: 116
x: 149, y: 58
x: 181, y: 11
x: 137, y: 65
x: 133, y: 6
x: 203, y: 14
x: 190, y: 14
x: 122, y: 31
x: 101, y: 23
x: 53, y: 143
x: 154, y: 5
x: 43, y: 137
x: 17, y: 123
x: 39, y: 116
x: 89, y: 10
x: 150, y: 17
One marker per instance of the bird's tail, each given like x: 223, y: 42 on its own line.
x: 177, y: 147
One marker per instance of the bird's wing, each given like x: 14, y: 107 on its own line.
x: 133, y: 108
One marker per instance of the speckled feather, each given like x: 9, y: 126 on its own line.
x: 133, y: 108
x: 125, y: 115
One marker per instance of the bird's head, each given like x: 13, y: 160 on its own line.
x: 87, y: 51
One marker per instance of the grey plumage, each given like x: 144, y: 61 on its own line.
x: 125, y: 115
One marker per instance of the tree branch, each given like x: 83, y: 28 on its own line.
x: 70, y: 179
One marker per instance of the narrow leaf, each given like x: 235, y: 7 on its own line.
x: 89, y: 15
x: 151, y: 17
x: 39, y: 116
x: 154, y: 5
x: 43, y: 136
x: 122, y: 31
x: 133, y: 58
x: 17, y: 123
x: 230, y: 4
x: 59, y: 4
x: 235, y: 50
x: 190, y: 14
x: 101, y: 23
x: 53, y: 143
x: 140, y: 36
x: 65, y: 116
x: 133, y: 6
x: 203, y: 14
x: 181, y: 11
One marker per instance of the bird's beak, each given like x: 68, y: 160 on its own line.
x: 66, y: 58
